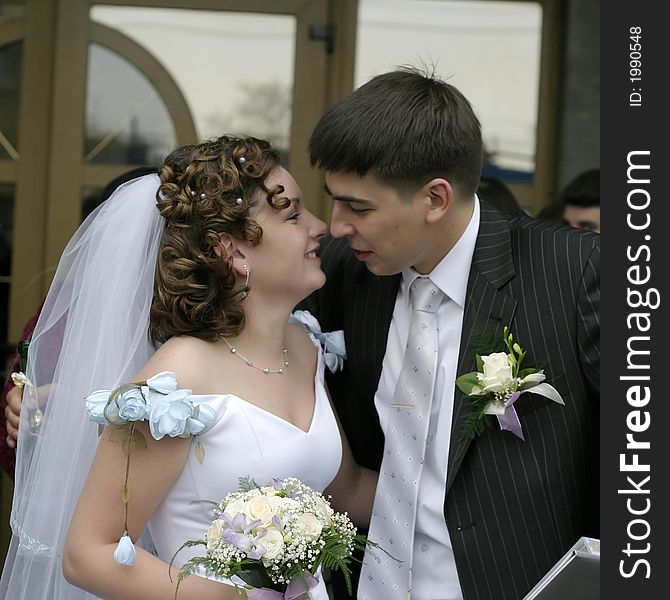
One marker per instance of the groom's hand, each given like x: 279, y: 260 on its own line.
x: 12, y: 415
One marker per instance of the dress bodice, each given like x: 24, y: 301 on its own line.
x: 244, y: 441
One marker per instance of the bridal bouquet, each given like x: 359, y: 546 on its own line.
x: 275, y: 538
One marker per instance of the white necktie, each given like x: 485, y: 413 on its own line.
x: 394, y: 510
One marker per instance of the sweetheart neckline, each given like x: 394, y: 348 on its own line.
x: 276, y: 416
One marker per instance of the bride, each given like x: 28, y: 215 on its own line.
x: 205, y: 262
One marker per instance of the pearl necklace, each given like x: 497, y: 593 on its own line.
x: 250, y: 363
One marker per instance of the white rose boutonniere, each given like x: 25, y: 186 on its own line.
x: 496, y: 385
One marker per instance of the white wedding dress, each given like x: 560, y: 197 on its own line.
x: 246, y: 441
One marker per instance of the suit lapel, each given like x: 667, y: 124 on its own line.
x: 486, y: 305
x: 372, y: 309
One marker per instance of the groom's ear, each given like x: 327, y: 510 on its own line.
x: 440, y: 197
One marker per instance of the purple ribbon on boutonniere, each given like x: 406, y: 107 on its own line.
x: 506, y: 413
x: 298, y: 589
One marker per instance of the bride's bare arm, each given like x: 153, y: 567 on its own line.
x: 98, y: 522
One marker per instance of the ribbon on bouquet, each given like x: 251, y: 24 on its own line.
x: 298, y: 589
x: 506, y: 413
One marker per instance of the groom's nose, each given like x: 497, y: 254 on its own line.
x: 339, y: 223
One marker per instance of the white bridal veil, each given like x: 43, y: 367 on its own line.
x: 91, y: 334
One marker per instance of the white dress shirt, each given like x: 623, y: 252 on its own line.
x: 434, y: 574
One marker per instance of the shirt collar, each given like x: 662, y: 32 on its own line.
x: 452, y: 272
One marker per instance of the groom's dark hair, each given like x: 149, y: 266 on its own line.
x: 406, y: 127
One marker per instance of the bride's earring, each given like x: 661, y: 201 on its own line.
x: 246, y: 281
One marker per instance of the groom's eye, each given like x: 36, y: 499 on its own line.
x: 358, y: 207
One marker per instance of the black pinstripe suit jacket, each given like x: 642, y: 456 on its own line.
x: 512, y: 507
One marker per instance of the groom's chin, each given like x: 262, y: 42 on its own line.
x: 381, y: 270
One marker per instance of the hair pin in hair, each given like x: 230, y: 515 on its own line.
x: 241, y: 160
x: 238, y: 201
x: 193, y: 192
x: 203, y: 196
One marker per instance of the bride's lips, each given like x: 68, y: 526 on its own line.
x: 313, y: 254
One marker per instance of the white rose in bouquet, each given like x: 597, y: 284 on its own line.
x: 273, y: 541
x: 287, y: 505
x: 262, y: 508
x: 236, y: 506
x: 326, y: 511
x: 215, y: 532
x: 309, y: 526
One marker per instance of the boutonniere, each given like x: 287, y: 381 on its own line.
x: 496, y: 385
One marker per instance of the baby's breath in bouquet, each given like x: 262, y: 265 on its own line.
x: 275, y: 538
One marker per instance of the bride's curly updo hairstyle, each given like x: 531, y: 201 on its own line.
x: 206, y: 190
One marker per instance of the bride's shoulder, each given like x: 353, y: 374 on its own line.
x: 185, y: 356
x: 299, y: 340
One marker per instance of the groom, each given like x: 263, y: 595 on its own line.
x: 477, y: 519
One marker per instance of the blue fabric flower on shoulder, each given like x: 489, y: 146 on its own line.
x: 334, y: 350
x: 169, y: 410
